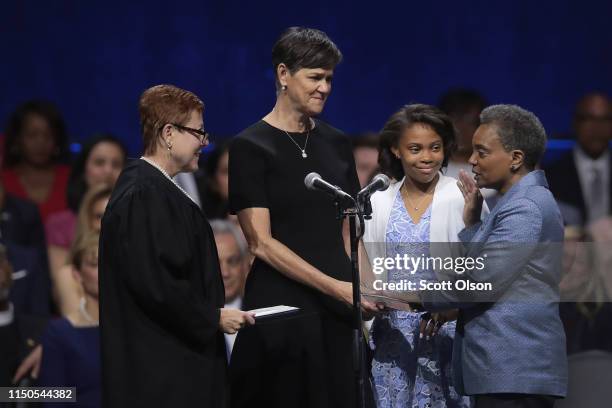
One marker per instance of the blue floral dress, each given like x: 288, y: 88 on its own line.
x: 408, y: 371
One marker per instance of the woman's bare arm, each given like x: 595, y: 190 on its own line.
x: 255, y: 223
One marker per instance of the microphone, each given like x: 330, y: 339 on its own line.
x: 380, y: 182
x: 313, y: 181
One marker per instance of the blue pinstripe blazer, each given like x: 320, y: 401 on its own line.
x: 516, y: 343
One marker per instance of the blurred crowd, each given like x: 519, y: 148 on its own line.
x: 52, y: 203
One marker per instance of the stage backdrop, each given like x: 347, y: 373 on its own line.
x: 95, y: 58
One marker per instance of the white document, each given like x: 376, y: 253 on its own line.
x: 274, y: 311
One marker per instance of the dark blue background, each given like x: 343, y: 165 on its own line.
x: 95, y: 58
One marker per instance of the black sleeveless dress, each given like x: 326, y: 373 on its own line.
x: 303, y: 360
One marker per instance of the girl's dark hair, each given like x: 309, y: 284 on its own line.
x: 77, y: 186
x: 14, y: 127
x: 407, y: 116
x: 301, y: 47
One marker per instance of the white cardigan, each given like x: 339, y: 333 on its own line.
x: 446, y: 218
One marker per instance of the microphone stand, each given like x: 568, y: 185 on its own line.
x: 358, y: 348
x: 347, y: 206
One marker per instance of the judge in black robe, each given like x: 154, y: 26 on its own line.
x: 160, y: 295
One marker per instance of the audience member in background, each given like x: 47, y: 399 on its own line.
x: 71, y: 345
x: 66, y: 290
x: 601, y: 231
x: 21, y: 231
x: 583, y: 177
x: 214, y: 185
x: 31, y: 284
x: 575, y: 261
x: 463, y: 106
x: 365, y: 151
x: 571, y: 215
x: 234, y: 260
x: 99, y: 162
x: 35, y: 146
x: 19, y: 332
x: 586, y: 288
x: 20, y: 221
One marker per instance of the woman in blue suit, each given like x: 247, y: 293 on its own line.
x: 509, y: 349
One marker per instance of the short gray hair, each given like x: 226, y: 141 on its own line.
x: 220, y: 226
x: 518, y: 129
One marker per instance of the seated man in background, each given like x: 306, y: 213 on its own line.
x: 235, y: 262
x: 21, y: 230
x: 19, y: 333
x: 586, y: 288
x: 582, y: 178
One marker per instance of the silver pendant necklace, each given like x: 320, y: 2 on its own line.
x: 404, y: 192
x: 303, y: 150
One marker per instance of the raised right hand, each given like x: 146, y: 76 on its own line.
x: 473, y: 198
x: 232, y: 320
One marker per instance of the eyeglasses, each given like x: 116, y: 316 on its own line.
x: 202, y: 135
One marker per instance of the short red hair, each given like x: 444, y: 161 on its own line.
x: 164, y: 104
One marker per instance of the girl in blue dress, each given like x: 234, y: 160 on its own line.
x: 412, y: 350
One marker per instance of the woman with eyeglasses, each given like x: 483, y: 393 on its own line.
x: 161, y: 291
x: 303, y: 360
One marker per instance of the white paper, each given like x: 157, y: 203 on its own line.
x: 273, y: 310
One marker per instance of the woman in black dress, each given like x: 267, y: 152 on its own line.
x: 302, y: 360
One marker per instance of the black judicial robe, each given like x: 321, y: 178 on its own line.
x: 160, y: 294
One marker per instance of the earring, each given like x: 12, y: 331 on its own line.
x: 169, y: 145
x: 284, y: 87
